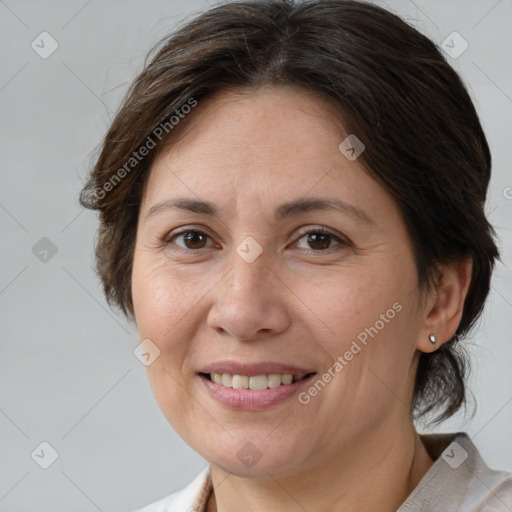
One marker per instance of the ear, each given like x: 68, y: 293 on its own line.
x: 445, y: 304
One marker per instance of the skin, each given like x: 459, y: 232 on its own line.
x: 353, y: 446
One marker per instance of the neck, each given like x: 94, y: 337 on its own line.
x: 377, y: 473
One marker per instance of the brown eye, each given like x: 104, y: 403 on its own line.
x: 320, y: 240
x: 192, y: 239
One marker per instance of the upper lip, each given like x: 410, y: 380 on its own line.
x: 252, y: 369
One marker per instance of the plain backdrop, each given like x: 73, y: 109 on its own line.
x: 68, y: 375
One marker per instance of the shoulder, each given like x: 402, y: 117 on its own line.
x: 488, y: 487
x: 183, y: 500
x: 483, y: 485
x: 459, y: 480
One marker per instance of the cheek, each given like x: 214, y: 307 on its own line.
x: 365, y: 316
x: 170, y: 305
x: 343, y: 301
x: 162, y: 295
x: 163, y: 306
x: 159, y: 304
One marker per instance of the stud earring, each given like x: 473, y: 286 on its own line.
x: 432, y: 339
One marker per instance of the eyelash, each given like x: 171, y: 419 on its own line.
x: 320, y: 230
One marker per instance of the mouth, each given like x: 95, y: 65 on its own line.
x: 255, y: 382
x: 254, y: 386
x: 253, y: 392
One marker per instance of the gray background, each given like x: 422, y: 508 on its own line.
x: 68, y: 375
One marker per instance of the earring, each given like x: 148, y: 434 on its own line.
x: 432, y: 339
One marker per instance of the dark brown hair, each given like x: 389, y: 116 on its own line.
x: 389, y: 84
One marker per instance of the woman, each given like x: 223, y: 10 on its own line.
x: 292, y: 202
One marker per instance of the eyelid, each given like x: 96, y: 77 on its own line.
x: 343, y: 240
x: 167, y: 239
x: 305, y: 230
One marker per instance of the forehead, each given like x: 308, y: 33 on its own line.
x: 274, y: 142
x: 271, y: 122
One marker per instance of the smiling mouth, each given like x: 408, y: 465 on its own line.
x: 255, y: 382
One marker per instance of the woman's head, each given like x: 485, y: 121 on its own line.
x: 253, y: 106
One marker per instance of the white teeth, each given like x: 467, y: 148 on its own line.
x: 240, y: 382
x: 287, y: 379
x: 274, y: 380
x: 256, y: 382
x: 226, y: 380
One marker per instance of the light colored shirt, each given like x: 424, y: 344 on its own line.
x: 458, y: 481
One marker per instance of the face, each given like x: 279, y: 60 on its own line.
x: 262, y: 249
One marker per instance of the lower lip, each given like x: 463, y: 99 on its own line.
x: 248, y: 399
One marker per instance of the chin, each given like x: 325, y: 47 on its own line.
x: 255, y: 459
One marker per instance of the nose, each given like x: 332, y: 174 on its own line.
x: 250, y: 302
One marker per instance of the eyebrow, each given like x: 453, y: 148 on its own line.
x: 291, y: 208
